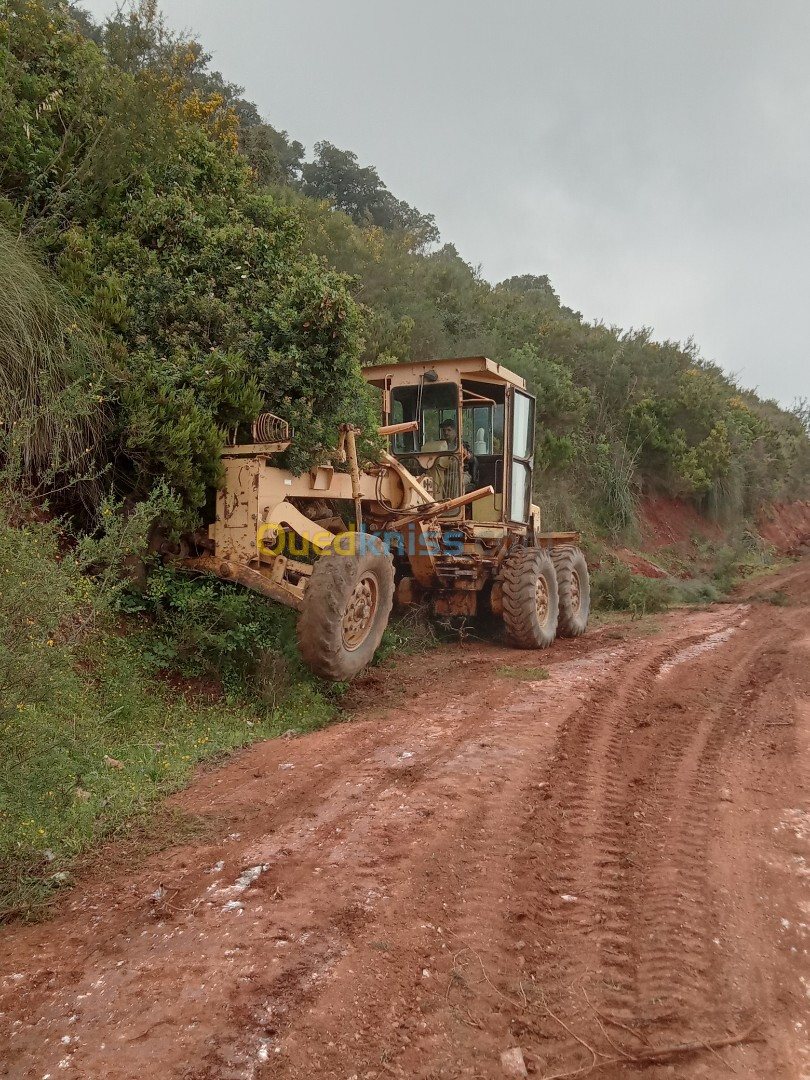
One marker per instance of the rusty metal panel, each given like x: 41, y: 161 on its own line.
x: 408, y: 592
x: 558, y: 539
x: 456, y: 603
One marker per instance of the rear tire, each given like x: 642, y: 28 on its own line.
x: 345, y: 612
x: 573, y: 586
x: 530, y: 601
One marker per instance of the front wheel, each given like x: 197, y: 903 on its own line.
x: 530, y: 600
x: 345, y: 612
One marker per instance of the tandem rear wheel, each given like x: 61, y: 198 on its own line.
x: 545, y: 595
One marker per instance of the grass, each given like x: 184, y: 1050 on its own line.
x: 94, y: 761
x: 99, y: 715
x: 777, y: 597
x: 528, y: 674
x: 410, y: 632
x: 52, y: 401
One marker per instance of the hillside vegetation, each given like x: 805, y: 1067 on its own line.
x: 171, y: 265
x: 227, y: 274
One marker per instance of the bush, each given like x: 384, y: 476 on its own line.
x: 614, y: 587
x: 93, y: 729
x: 734, y: 562
x: 201, y: 626
x: 698, y: 592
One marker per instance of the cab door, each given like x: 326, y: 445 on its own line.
x: 520, y: 463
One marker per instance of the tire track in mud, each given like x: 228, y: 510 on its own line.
x: 426, y: 888
x: 491, y: 900
x: 475, y: 848
x: 324, y: 861
x: 577, y: 856
x: 670, y: 893
x: 619, y: 854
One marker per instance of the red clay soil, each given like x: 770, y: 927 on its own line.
x: 639, y: 565
x: 786, y: 526
x: 674, y: 523
x: 606, y: 870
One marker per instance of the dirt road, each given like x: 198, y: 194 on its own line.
x: 592, y: 868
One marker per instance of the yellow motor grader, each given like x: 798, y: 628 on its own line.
x: 444, y: 517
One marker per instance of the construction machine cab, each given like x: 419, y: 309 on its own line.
x: 489, y: 407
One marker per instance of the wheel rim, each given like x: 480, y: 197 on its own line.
x: 576, y: 594
x: 361, y: 609
x: 541, y: 599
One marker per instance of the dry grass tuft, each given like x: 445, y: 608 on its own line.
x: 53, y: 408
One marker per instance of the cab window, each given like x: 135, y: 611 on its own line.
x: 520, y: 493
x: 439, y: 406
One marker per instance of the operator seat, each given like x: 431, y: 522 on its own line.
x: 445, y: 471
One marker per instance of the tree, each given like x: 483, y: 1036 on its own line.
x: 336, y: 177
x: 275, y: 158
x: 801, y: 410
x: 133, y: 192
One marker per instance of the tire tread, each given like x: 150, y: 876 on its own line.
x: 520, y: 574
x: 567, y: 560
x: 319, y: 630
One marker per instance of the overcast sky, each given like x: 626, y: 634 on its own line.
x: 651, y: 156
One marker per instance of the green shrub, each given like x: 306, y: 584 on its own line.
x: 777, y: 597
x: 698, y: 592
x: 201, y: 626
x: 614, y: 587
x: 733, y: 563
x: 96, y: 725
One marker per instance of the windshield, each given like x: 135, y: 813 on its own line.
x: 439, y: 464
x: 438, y: 429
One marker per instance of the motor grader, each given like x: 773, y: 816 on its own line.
x: 445, y: 517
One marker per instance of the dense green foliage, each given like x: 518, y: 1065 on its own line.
x: 93, y: 729
x: 618, y: 413
x: 336, y: 177
x: 214, y: 257
x: 129, y: 184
